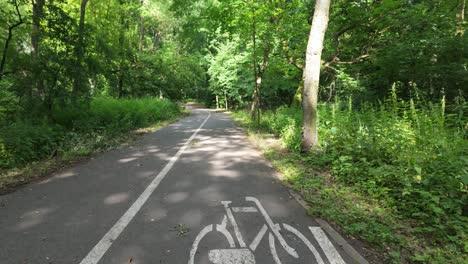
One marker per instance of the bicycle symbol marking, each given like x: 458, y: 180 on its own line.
x: 241, y: 253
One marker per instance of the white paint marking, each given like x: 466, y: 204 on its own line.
x: 330, y: 251
x: 274, y: 227
x: 244, y: 210
x: 306, y: 241
x: 231, y: 256
x: 271, y: 239
x: 258, y: 238
x: 234, y: 223
x: 222, y: 228
x: 199, y: 237
x: 106, y: 241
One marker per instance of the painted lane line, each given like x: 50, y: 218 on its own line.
x: 327, y: 247
x: 106, y: 241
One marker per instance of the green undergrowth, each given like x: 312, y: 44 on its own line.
x: 392, y: 174
x: 70, y: 133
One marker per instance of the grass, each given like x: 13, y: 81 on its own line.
x: 390, y: 174
x: 30, y: 149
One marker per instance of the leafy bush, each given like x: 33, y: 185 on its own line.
x: 81, y: 129
x: 22, y: 142
x: 407, y: 159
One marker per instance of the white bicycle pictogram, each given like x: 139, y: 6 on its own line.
x: 240, y: 252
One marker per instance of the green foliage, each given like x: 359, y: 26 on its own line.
x: 79, y: 130
x: 228, y: 78
x: 390, y: 162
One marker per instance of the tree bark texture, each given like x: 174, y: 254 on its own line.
x: 312, y: 75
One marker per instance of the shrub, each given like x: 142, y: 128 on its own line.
x: 82, y: 128
x: 407, y: 158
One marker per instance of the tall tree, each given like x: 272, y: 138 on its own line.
x: 258, y: 70
x: 79, y: 82
x: 312, y: 75
x: 37, y: 14
x: 461, y: 17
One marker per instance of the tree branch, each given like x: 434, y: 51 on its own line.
x: 7, y: 42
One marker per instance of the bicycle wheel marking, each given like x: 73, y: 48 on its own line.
x: 306, y: 241
x: 239, y: 253
x: 200, y: 235
x: 326, y: 245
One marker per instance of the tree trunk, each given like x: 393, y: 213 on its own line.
x: 7, y: 41
x: 461, y: 17
x: 259, y: 71
x: 120, y: 76
x: 141, y: 28
x: 38, y: 12
x: 312, y: 75
x: 226, y: 100
x: 79, y: 82
x: 120, y: 84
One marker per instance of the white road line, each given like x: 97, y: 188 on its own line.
x: 106, y: 241
x: 274, y: 228
x: 233, y: 223
x: 311, y: 247
x: 330, y: 251
x: 231, y: 256
x: 258, y: 238
x: 244, y: 210
x: 222, y: 228
x: 271, y: 239
x: 199, y: 237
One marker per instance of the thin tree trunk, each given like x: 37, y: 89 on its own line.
x: 38, y: 12
x: 7, y: 41
x: 312, y: 75
x: 258, y: 71
x: 120, y: 84
x: 141, y: 28
x: 254, y: 60
x: 226, y: 101
x: 78, y: 82
x: 120, y: 80
x: 461, y: 17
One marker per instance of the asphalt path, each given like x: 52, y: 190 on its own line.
x: 196, y: 191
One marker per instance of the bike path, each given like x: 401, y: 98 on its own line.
x: 64, y: 218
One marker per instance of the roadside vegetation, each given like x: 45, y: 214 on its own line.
x: 71, y: 133
x: 381, y: 174
x: 368, y: 97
